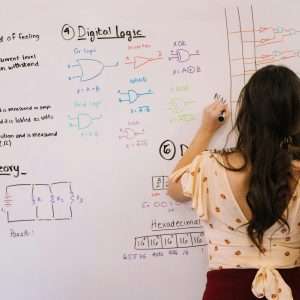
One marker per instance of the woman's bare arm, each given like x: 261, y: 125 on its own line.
x: 199, y: 143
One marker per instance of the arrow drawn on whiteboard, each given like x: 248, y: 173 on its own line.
x: 90, y: 68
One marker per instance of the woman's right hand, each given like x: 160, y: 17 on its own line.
x: 211, y: 113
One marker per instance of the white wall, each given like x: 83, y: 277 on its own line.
x: 71, y: 226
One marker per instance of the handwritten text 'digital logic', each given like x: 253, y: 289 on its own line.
x: 81, y: 32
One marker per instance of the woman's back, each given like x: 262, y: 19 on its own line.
x: 249, y: 200
x: 239, y: 180
x: 219, y: 197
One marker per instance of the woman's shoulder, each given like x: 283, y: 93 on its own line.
x: 228, y: 157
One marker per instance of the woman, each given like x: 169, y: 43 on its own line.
x: 249, y: 197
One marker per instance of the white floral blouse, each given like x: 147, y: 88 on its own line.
x: 206, y: 182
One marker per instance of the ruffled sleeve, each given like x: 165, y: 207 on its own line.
x: 194, y: 184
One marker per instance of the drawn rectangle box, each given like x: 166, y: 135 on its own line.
x: 248, y: 38
x: 22, y: 206
x: 249, y: 54
x: 158, y: 183
x: 237, y: 84
x: 42, y: 196
x: 246, y: 21
x: 141, y: 243
x: 62, y: 201
x: 169, y: 241
x: 250, y: 68
x: 237, y: 68
x: 233, y: 21
x: 235, y: 48
x: 155, y: 242
x: 184, y: 240
x: 166, y: 178
x: 197, y: 238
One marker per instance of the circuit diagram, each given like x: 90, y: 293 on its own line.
x: 39, y: 202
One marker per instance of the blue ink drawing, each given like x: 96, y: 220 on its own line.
x: 83, y: 121
x: 132, y: 96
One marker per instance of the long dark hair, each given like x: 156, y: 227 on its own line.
x: 267, y: 123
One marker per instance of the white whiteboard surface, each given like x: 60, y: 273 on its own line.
x: 91, y: 126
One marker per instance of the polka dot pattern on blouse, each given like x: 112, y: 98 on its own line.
x: 205, y: 181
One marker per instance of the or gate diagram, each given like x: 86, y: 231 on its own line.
x: 89, y: 68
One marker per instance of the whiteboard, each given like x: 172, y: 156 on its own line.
x: 98, y: 102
